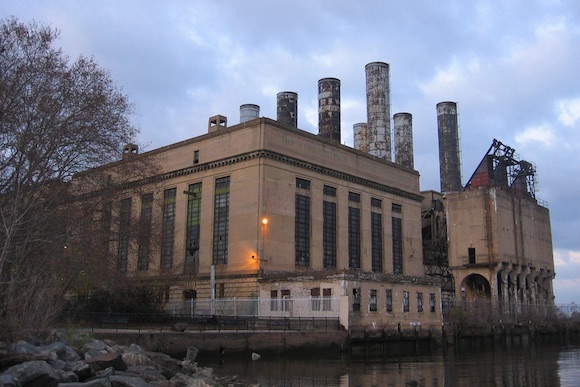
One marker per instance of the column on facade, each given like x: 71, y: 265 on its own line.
x: 513, y: 284
x: 503, y: 287
x: 523, y: 281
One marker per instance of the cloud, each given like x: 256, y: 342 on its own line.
x: 568, y: 111
x: 543, y: 134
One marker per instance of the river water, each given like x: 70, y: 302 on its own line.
x: 535, y: 366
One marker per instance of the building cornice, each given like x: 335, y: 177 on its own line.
x: 266, y: 154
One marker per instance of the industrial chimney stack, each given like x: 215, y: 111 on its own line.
x: 449, y: 159
x: 403, y: 128
x: 287, y: 108
x: 329, y: 108
x: 378, y: 109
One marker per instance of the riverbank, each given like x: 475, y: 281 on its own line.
x: 392, y: 342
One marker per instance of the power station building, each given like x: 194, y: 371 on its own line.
x: 265, y: 219
x: 271, y: 220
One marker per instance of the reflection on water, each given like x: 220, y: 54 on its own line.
x: 539, y: 366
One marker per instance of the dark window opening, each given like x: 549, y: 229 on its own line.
x: 168, y: 228
x: 377, y: 242
x: 191, y: 263
x: 397, y: 246
x: 145, y: 231
x: 354, y: 238
x: 302, y: 230
x: 329, y: 234
x: 471, y: 254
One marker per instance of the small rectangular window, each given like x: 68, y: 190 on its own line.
x: 354, y: 197
x: 329, y: 191
x: 302, y: 183
x: 195, y: 156
x: 471, y: 254
x: 397, y: 208
x: 376, y: 202
x: 389, y: 300
x: 405, y: 301
x: 373, y: 300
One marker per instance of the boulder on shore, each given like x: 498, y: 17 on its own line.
x: 98, y: 363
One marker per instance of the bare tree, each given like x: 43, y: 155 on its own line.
x: 57, y: 118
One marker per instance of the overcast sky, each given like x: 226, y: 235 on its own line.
x: 513, y: 67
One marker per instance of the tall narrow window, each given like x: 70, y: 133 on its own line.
x: 302, y: 223
x: 389, y: 295
x: 315, y: 298
x: 124, y: 228
x: 191, y: 263
x: 356, y: 300
x: 329, y: 227
x: 327, y: 299
x: 106, y: 216
x: 221, y: 216
x: 168, y: 228
x: 373, y: 300
x: 377, y: 241
x: 419, y: 302
x: 354, y: 237
x: 406, y: 305
x: 432, y: 302
x: 273, y: 300
x: 145, y: 231
x: 286, y: 300
x: 397, y: 234
x: 471, y: 254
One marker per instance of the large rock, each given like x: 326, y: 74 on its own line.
x: 103, y: 382
x: 135, y: 359
x: 34, y: 373
x: 95, y: 347
x: 128, y: 381
x: 167, y: 365
x: 148, y: 373
x: 105, y: 360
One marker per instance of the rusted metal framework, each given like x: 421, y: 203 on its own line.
x: 500, y: 167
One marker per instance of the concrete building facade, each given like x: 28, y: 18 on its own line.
x: 308, y: 226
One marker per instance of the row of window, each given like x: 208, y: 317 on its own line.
x: 329, y: 229
x: 221, y: 225
x: 406, y: 303
x: 191, y: 265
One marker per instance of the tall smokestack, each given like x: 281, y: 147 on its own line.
x: 449, y: 159
x: 249, y: 112
x: 403, y: 128
x: 287, y: 108
x: 378, y: 109
x: 329, y: 108
x: 361, y: 140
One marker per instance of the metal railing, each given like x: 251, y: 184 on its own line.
x: 199, y: 322
x: 488, y: 311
